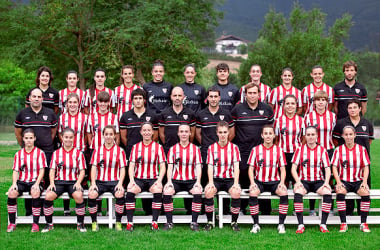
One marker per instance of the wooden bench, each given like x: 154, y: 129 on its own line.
x: 273, y: 219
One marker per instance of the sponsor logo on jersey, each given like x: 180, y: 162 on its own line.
x: 129, y: 119
x: 261, y: 112
x: 221, y: 117
x: 341, y: 90
x: 185, y: 117
x: 230, y: 93
x: 151, y: 99
x: 45, y: 117
x: 364, y: 128
x: 196, y: 92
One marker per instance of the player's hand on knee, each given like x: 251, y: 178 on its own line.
x: 364, y: 186
x: 158, y: 184
x: 340, y: 187
x: 119, y: 188
x: 51, y: 187
x: 197, y: 188
x: 13, y: 188
x: 93, y: 188
x: 77, y: 187
x: 282, y: 187
x: 253, y: 187
x: 210, y: 187
x: 327, y: 186
x: 236, y: 187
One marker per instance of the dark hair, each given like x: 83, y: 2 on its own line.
x: 316, y: 67
x: 39, y: 72
x: 287, y: 69
x: 355, y: 100
x: 349, y: 64
x: 28, y: 130
x: 146, y: 123
x: 267, y: 126
x: 109, y: 127
x: 290, y: 96
x: 213, y: 89
x: 184, y: 124
x: 312, y: 127
x: 122, y: 69
x: 158, y: 62
x: 138, y: 92
x: 222, y: 66
x: 251, y: 85
x: 348, y: 126
x: 189, y: 65
x: 222, y: 124
x: 93, y: 86
x: 66, y: 130
x: 103, y: 97
x: 71, y: 72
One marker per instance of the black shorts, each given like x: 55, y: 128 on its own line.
x: 145, y: 184
x: 223, y: 184
x: 106, y: 186
x: 65, y: 186
x: 312, y: 186
x: 183, y: 185
x: 25, y: 187
x: 352, y: 186
x: 270, y: 186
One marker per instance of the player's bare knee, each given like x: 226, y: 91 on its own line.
x: 119, y: 194
x: 13, y: 194
x: 78, y: 197
x: 50, y: 196
x: 35, y: 194
x: 93, y: 195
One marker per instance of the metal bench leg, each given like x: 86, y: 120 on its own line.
x: 220, y: 207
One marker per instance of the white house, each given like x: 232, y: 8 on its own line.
x: 229, y: 44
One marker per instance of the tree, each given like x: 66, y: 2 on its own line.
x: 299, y: 42
x: 86, y: 34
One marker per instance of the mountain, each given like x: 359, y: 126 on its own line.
x: 244, y: 18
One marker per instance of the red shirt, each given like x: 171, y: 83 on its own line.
x: 78, y: 123
x: 325, y: 124
x: 185, y: 161
x: 29, y: 164
x: 95, y: 125
x: 289, y: 131
x: 277, y: 96
x: 308, y: 95
x: 91, y: 104
x: 68, y: 164
x: 123, y: 98
x: 223, y: 159
x: 63, y: 93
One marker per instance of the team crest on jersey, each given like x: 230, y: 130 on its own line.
x: 121, y: 99
x: 260, y: 162
x: 45, y: 117
x: 261, y: 112
x: 221, y: 117
x: 364, y: 128
x: 196, y: 92
x: 96, y: 127
x: 311, y: 100
x: 165, y: 90
x: 230, y: 93
x: 305, y: 162
x: 51, y: 95
x: 283, y: 130
x: 147, y: 118
x: 27, y: 118
x: 357, y: 91
x: 344, y: 163
x: 280, y: 102
x: 185, y: 117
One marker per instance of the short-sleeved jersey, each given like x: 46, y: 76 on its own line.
x: 195, y: 96
x: 249, y: 123
x: 185, y: 161
x: 91, y: 103
x: 29, y: 164
x: 42, y: 123
x: 364, y: 132
x: 277, y: 96
x: 64, y: 93
x: 229, y: 95
x: 264, y: 93
x: 325, y: 124
x: 343, y: 93
x: 171, y: 120
x: 350, y: 162
x: 132, y: 123
x: 78, y: 123
x: 95, y: 125
x: 67, y: 164
x: 123, y: 98
x: 309, y: 91
x: 207, y: 122
x: 289, y: 132
x: 108, y: 162
x: 223, y: 159
x: 266, y: 162
x: 311, y: 162
x: 147, y: 159
x: 50, y: 98
x: 158, y: 95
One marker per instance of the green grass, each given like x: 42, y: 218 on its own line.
x: 7, y: 136
x: 66, y: 236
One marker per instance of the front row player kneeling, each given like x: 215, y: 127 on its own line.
x: 223, y: 159
x: 28, y: 170
x: 311, y: 159
x: 350, y: 165
x: 107, y: 175
x: 264, y: 162
x: 67, y: 170
x: 184, y: 174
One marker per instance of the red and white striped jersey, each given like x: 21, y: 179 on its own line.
x: 308, y: 95
x: 95, y: 125
x: 147, y: 159
x: 266, y: 162
x: 325, y: 124
x: 67, y: 164
x: 185, y: 161
x: 277, y: 95
x: 350, y: 162
x: 29, y: 164
x: 63, y: 93
x: 223, y: 159
x: 78, y: 123
x: 108, y: 162
x: 123, y: 98
x: 311, y: 162
x: 289, y: 131
x: 91, y: 104
x: 264, y: 93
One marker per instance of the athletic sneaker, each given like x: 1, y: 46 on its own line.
x: 194, y: 226
x: 47, y: 228
x: 154, y: 226
x: 11, y: 227
x: 208, y: 226
x: 118, y: 226
x: 364, y: 228
x: 255, y: 229
x: 81, y: 228
x: 35, y: 228
x: 343, y: 228
x: 323, y: 229
x: 94, y: 226
x: 168, y: 226
x: 281, y: 229
x: 235, y: 227
x: 300, y: 229
x: 129, y: 227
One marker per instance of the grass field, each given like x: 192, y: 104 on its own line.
x: 66, y: 236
